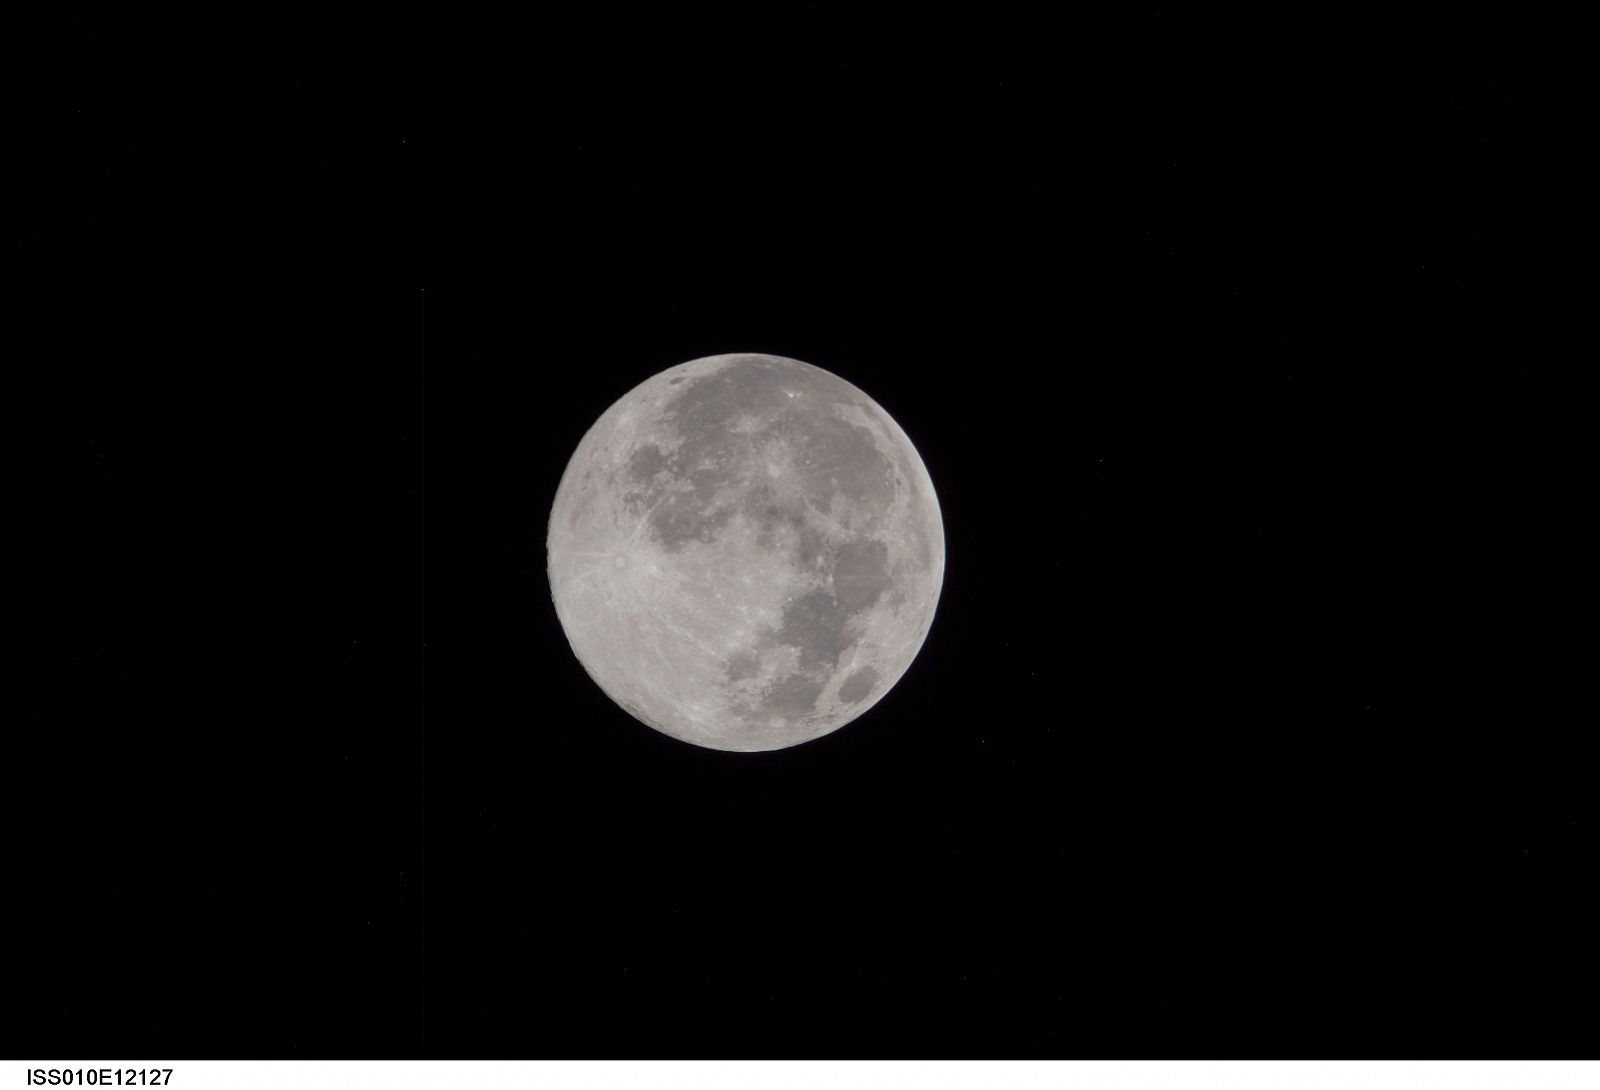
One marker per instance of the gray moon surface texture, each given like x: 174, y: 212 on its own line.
x: 745, y: 552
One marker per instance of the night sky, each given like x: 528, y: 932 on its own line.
x: 1247, y: 724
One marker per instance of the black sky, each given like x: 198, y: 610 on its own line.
x: 1245, y: 726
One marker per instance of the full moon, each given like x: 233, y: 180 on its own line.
x: 745, y: 552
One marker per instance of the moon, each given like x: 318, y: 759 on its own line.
x: 745, y: 552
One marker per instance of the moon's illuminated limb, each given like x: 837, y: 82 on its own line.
x: 745, y: 552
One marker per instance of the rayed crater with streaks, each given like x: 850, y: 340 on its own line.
x: 745, y: 552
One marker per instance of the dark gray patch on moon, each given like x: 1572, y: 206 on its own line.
x: 646, y: 462
x: 858, y: 685
x: 810, y: 546
x: 680, y: 520
x: 838, y: 456
x: 813, y: 624
x: 678, y: 514
x: 742, y: 666
x: 704, y: 408
x: 791, y: 410
x: 792, y: 696
x: 786, y: 411
x: 860, y: 573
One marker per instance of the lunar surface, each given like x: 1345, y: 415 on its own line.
x: 746, y: 552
